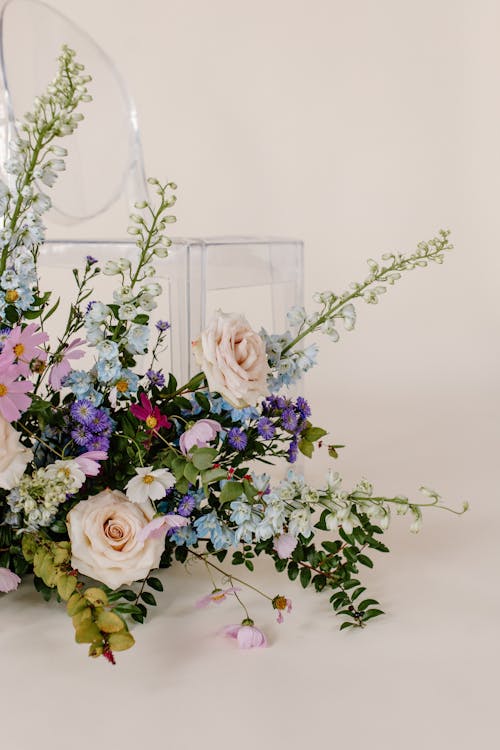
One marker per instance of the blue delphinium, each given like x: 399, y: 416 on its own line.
x: 210, y: 526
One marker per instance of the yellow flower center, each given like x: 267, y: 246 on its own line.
x: 19, y: 349
x: 279, y: 602
x: 217, y: 596
x: 11, y: 295
x: 151, y: 422
x: 148, y: 479
x: 3, y: 389
x: 122, y: 386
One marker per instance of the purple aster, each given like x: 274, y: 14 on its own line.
x: 186, y: 505
x: 156, y: 377
x: 163, y: 325
x: 303, y: 407
x: 100, y: 422
x: 83, y: 411
x: 292, y: 451
x: 4, y: 332
x: 289, y: 420
x: 81, y: 435
x: 265, y: 428
x: 97, y: 443
x: 237, y: 439
x: 91, y: 260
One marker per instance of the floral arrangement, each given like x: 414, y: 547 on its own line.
x: 114, y: 470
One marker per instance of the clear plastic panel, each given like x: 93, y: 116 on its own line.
x: 105, y: 159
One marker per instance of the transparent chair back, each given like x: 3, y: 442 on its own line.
x: 104, y: 165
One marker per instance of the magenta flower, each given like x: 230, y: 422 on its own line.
x: 246, y: 635
x: 9, y: 581
x: 61, y: 367
x: 151, y: 415
x: 13, y: 398
x: 282, y: 604
x: 89, y: 462
x: 216, y: 597
x: 284, y: 545
x: 160, y: 525
x: 23, y: 344
x: 200, y: 434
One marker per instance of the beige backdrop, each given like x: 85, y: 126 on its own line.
x: 360, y: 127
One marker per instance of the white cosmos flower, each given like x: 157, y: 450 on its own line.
x: 149, y: 484
x: 68, y: 472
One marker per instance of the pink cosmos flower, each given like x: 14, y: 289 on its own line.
x: 13, y: 398
x: 89, y: 462
x: 152, y: 416
x: 246, y: 635
x: 160, y: 525
x: 216, y: 597
x: 61, y: 366
x: 282, y: 604
x: 200, y: 434
x: 23, y: 344
x: 284, y: 545
x: 9, y: 581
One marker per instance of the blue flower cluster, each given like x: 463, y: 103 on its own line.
x: 90, y: 426
x: 18, y: 281
x: 287, y: 368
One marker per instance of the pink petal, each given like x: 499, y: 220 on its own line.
x: 251, y: 637
x: 160, y: 525
x: 9, y: 581
x: 89, y: 462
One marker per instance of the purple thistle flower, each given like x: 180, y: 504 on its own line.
x: 186, y: 505
x: 156, y: 377
x: 303, y: 407
x: 237, y: 439
x: 162, y: 325
x: 289, y: 420
x: 265, y: 428
x: 83, y: 411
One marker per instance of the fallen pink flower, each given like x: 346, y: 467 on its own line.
x: 282, y: 604
x: 23, y: 344
x: 62, y: 367
x: 246, y: 635
x: 284, y: 545
x: 216, y: 597
x: 89, y: 462
x: 160, y: 525
x: 9, y: 581
x: 199, y: 435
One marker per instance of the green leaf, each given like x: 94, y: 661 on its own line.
x: 364, y: 560
x: 306, y: 447
x: 66, y: 586
x: 293, y: 570
x: 366, y: 603
x: 213, y: 475
x: 312, y: 434
x: 203, y: 458
x: 109, y: 622
x: 155, y: 584
x: 332, y: 547
x: 147, y: 597
x: 231, y: 491
x: 357, y: 593
x: 369, y: 614
x: 191, y: 473
x: 120, y: 641
x: 305, y: 577
x: 346, y: 625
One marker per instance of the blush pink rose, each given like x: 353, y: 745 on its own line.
x: 233, y: 358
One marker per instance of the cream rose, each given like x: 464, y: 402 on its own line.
x: 105, y: 542
x: 233, y: 358
x: 14, y: 457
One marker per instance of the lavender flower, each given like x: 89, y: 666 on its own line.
x: 266, y: 428
x: 186, y: 505
x: 289, y: 420
x: 162, y: 325
x: 237, y: 439
x: 83, y: 411
x: 303, y: 407
x: 156, y: 378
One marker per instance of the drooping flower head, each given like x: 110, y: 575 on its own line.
x: 200, y: 435
x: 9, y: 581
x: 282, y: 604
x: 217, y: 596
x: 246, y: 634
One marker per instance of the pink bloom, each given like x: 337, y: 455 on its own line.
x: 246, y: 635
x: 284, y: 545
x: 282, y: 604
x: 23, y: 344
x: 146, y: 413
x: 200, y: 434
x: 8, y: 580
x: 61, y: 366
x: 13, y: 398
x: 89, y: 462
x: 160, y: 525
x: 216, y: 597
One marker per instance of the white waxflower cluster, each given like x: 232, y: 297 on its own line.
x: 36, y: 499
